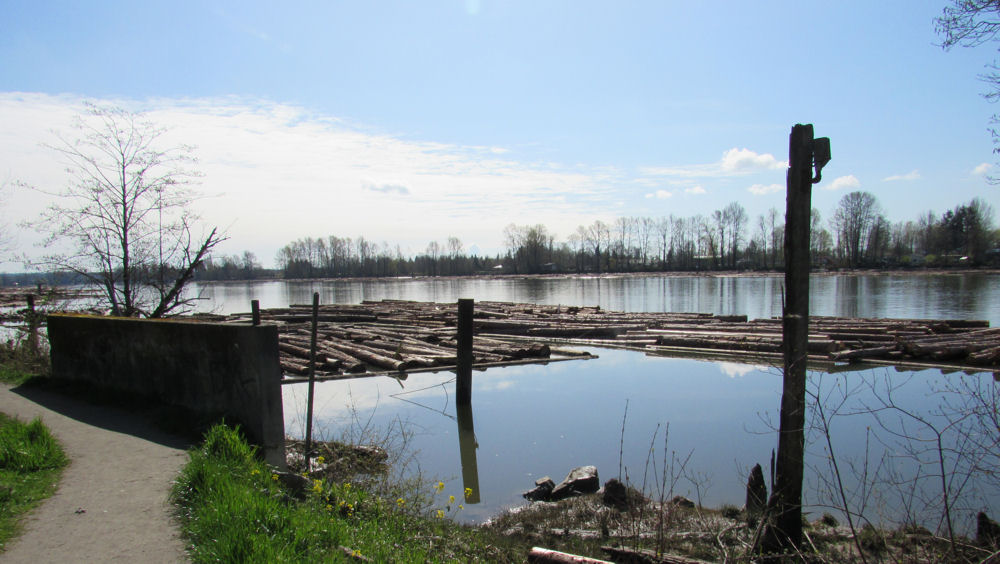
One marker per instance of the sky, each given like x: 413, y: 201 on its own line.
x: 409, y: 122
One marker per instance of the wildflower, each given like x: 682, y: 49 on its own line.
x: 440, y: 514
x: 318, y: 486
x: 329, y: 507
x: 254, y: 472
x: 400, y: 502
x: 347, y: 486
x: 356, y: 553
x: 274, y: 477
x: 468, y: 493
x: 451, y: 499
x: 460, y: 507
x: 439, y: 487
x: 320, y: 459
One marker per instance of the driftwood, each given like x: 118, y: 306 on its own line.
x: 646, y: 556
x: 544, y: 555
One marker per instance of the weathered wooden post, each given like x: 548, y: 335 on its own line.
x: 784, y: 527
x: 312, y: 380
x: 255, y: 311
x: 463, y: 382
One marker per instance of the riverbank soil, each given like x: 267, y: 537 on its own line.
x: 111, y: 504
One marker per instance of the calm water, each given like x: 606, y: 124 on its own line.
x: 970, y: 296
x: 531, y: 421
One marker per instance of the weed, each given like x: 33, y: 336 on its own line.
x: 31, y: 462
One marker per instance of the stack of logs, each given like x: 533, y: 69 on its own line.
x: 395, y: 335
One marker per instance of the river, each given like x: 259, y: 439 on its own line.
x: 699, y: 424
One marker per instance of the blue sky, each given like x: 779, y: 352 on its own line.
x: 413, y: 121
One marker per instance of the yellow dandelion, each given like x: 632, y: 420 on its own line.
x: 460, y: 507
x: 401, y: 502
x: 329, y: 507
x: 274, y: 477
x: 439, y: 487
x: 320, y: 459
x: 347, y: 486
x: 468, y: 493
x: 440, y: 514
x: 318, y: 487
x: 356, y: 553
x: 451, y: 499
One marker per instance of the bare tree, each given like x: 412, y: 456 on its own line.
x: 856, y: 220
x: 970, y: 23
x: 127, y: 212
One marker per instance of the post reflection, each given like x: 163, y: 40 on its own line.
x: 468, y: 445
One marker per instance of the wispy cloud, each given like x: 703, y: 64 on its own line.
x: 386, y: 188
x: 660, y: 194
x: 297, y: 173
x: 848, y: 182
x: 695, y: 190
x: 762, y: 189
x: 912, y: 175
x: 983, y: 169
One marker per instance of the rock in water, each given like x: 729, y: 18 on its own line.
x: 756, y: 494
x: 616, y: 494
x: 582, y: 480
x: 542, y: 491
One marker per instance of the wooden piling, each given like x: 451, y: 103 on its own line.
x: 255, y: 311
x: 463, y: 382
x: 312, y: 379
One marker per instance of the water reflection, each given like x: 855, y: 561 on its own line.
x: 467, y: 446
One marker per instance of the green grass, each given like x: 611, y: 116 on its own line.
x: 31, y: 462
x: 232, y: 508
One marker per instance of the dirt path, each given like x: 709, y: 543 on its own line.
x: 111, y: 505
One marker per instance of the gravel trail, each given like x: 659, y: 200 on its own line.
x: 111, y: 505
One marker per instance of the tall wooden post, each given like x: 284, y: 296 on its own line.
x: 463, y: 382
x: 312, y: 380
x: 255, y: 311
x: 784, y: 529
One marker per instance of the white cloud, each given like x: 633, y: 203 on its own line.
x: 983, y: 169
x: 695, y: 190
x: 843, y: 182
x: 912, y: 175
x: 734, y: 162
x: 745, y: 160
x: 762, y: 189
x: 660, y: 195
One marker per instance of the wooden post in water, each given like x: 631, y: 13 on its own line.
x: 312, y: 380
x: 32, y: 319
x: 784, y: 528
x: 463, y: 382
x: 255, y: 311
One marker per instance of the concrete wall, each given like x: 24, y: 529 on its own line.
x: 209, y: 368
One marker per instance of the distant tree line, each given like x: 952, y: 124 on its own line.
x: 857, y: 235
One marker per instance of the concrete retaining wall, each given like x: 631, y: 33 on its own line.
x: 209, y: 368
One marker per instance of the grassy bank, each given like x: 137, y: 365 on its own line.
x: 31, y: 462
x: 233, y: 508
